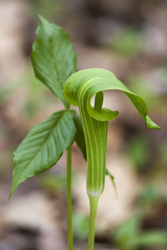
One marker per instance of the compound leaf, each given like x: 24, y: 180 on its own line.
x: 43, y: 146
x: 53, y: 57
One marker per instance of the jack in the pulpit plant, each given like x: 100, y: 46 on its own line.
x: 54, y: 62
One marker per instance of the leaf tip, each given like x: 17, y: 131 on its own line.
x: 9, y: 196
x: 150, y: 124
x: 41, y: 18
x: 11, y: 191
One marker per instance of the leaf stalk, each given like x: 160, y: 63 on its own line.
x: 69, y: 201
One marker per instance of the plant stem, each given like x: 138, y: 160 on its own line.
x: 93, y: 210
x: 69, y: 201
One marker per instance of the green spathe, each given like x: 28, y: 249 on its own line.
x: 79, y: 90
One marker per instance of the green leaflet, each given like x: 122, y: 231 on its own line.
x: 43, y: 146
x: 53, y: 57
x: 78, y: 90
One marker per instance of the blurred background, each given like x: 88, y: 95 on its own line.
x: 129, y: 38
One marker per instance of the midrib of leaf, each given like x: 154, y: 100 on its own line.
x: 42, y: 145
x: 54, y: 63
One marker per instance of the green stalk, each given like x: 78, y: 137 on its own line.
x: 69, y: 201
x: 92, y: 222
